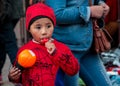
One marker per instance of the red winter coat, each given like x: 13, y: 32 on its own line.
x: 43, y: 72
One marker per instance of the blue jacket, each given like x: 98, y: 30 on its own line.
x: 74, y: 26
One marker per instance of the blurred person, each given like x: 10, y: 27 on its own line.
x: 10, y: 13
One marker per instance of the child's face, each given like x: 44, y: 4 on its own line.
x: 41, y: 28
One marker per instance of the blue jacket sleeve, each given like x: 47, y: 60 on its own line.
x: 69, y: 11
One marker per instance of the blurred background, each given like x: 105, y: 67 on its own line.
x: 111, y: 59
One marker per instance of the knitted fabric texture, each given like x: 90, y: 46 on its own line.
x: 39, y: 9
x: 44, y: 71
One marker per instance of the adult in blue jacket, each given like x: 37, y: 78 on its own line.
x: 74, y: 28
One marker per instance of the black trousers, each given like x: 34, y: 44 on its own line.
x: 8, y: 42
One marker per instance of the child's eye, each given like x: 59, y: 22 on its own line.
x: 38, y: 27
x: 48, y: 26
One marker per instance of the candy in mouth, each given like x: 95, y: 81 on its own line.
x: 43, y: 41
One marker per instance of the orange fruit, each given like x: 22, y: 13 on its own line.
x: 26, y: 58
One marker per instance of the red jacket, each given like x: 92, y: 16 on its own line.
x: 43, y: 72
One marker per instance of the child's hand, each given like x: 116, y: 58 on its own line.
x: 50, y: 46
x: 14, y: 74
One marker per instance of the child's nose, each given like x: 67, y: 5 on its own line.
x: 43, y: 31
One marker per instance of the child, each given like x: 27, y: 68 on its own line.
x: 51, y: 55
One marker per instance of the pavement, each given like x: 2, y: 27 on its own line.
x: 5, y: 72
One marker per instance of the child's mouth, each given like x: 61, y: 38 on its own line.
x: 44, y: 40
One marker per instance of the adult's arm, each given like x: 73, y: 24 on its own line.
x: 66, y: 14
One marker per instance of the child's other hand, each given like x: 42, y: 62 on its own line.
x: 14, y: 74
x: 50, y: 46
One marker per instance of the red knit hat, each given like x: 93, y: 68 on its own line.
x: 39, y: 9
